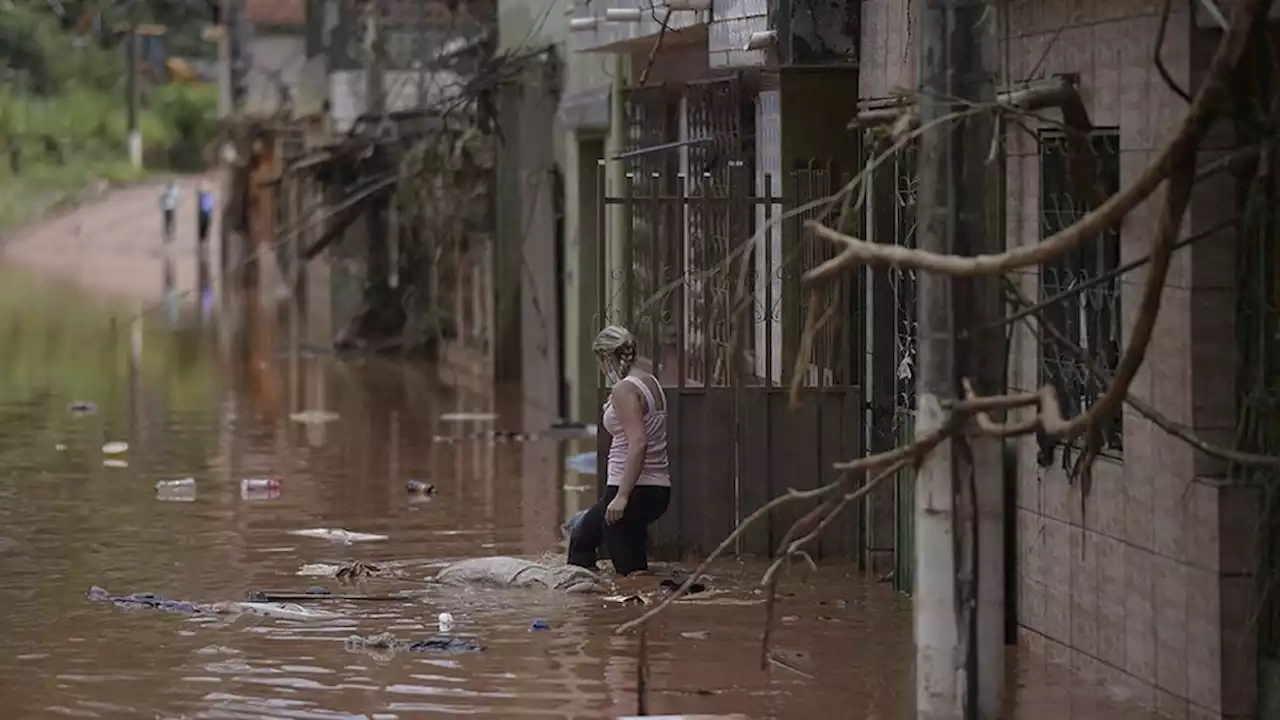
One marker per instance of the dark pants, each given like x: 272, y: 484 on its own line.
x: 202, y: 228
x: 627, y: 539
x: 168, y: 225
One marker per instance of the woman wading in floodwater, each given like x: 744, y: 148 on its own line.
x: 639, y: 484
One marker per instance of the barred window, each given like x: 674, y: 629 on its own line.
x: 1091, y: 318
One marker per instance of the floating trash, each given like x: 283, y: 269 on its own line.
x: 389, y: 642
x: 313, y: 417
x: 446, y: 622
x: 82, y: 407
x: 583, y: 463
x: 338, y: 535
x: 60, y: 447
x: 250, y: 485
x: 352, y: 570
x: 115, y: 448
x: 468, y: 417
x: 539, y: 625
x: 181, y: 490
x: 115, y: 463
x: 420, y: 487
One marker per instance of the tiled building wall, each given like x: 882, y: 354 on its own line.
x: 1146, y: 584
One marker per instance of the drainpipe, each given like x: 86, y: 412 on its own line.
x: 614, y: 178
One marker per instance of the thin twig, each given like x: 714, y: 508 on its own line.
x: 834, y: 506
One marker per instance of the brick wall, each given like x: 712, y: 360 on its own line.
x: 1146, y: 585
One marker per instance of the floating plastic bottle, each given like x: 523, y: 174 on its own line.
x: 249, y: 485
x: 445, y: 621
x: 182, y: 490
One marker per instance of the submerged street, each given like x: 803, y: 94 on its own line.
x: 72, y: 517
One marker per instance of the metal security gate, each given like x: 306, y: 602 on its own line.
x: 892, y: 220
x: 709, y: 310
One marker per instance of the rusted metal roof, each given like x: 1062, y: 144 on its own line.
x: 276, y: 12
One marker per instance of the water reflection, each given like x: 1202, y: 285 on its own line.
x: 192, y: 403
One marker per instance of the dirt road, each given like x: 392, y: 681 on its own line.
x: 114, y: 244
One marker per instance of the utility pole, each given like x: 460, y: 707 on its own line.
x: 378, y: 261
x: 131, y: 89
x: 959, y: 660
x: 374, y: 60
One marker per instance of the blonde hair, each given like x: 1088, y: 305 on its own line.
x: 616, y: 343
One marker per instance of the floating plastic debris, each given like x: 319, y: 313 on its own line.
x: 420, y: 487
x: 250, y: 485
x: 82, y: 407
x: 338, y: 535
x: 115, y: 448
x: 115, y: 464
x: 583, y: 463
x: 313, y: 417
x: 468, y: 417
x: 389, y: 642
x: 446, y: 622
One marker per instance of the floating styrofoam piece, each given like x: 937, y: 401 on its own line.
x: 313, y: 417
x: 468, y: 417
x: 285, y: 611
x: 318, y: 570
x: 338, y: 535
x: 115, y: 448
x: 584, y: 463
x: 115, y: 463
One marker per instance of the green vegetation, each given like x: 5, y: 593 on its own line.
x: 63, y: 117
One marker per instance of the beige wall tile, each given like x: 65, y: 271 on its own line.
x: 1084, y: 590
x: 1170, y: 602
x: 1204, y: 639
x: 1139, y: 615
x: 1113, y: 582
x: 1201, y: 514
x: 1106, y: 499
x: 1057, y: 571
x: 1139, y: 512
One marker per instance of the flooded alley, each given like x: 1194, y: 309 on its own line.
x: 72, y: 517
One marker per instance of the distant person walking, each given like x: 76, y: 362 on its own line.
x: 205, y: 217
x: 169, y: 206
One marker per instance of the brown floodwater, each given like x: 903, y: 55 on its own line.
x: 199, y: 404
